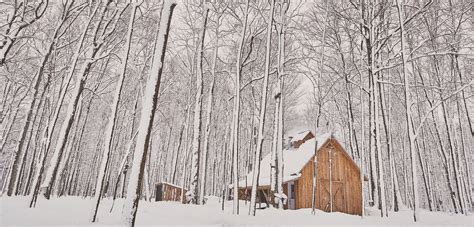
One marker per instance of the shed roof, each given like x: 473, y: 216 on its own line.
x: 170, y: 184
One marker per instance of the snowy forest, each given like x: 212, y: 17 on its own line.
x: 101, y: 100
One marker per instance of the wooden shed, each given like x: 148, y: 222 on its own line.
x: 337, y: 175
x: 169, y: 192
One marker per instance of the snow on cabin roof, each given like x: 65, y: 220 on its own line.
x: 294, y: 160
x: 170, y: 184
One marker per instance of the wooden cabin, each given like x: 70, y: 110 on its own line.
x: 337, y: 174
x: 169, y: 192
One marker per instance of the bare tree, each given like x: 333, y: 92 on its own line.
x: 196, y: 144
x: 149, y: 103
x: 113, y: 117
x: 261, y: 124
x: 81, y: 78
x: 22, y: 15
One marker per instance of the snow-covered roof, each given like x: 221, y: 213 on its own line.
x: 294, y: 160
x: 170, y: 184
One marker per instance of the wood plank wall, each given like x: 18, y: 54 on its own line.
x: 345, y: 178
x: 170, y: 192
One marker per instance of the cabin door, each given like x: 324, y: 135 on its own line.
x: 159, y: 192
x: 291, y: 195
x: 334, y: 189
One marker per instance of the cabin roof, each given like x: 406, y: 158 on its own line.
x: 299, y: 136
x: 170, y: 184
x: 294, y: 158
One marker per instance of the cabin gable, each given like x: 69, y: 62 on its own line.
x: 345, y: 181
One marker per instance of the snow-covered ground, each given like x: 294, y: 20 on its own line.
x: 75, y: 211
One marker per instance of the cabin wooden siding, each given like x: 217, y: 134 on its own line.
x: 346, y: 184
x: 168, y: 192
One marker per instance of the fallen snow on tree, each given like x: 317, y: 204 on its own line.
x: 74, y: 211
x: 278, y: 197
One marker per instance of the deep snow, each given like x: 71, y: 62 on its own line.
x: 74, y: 211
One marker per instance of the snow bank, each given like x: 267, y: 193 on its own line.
x: 74, y: 211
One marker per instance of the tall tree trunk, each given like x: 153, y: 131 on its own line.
x: 263, y: 104
x: 374, y: 190
x: 184, y: 128
x: 318, y: 99
x: 197, y: 125
x: 113, y: 116
x: 207, y: 128
x: 236, y: 114
x: 149, y: 103
x: 279, y: 103
x: 408, y: 103
x: 362, y: 150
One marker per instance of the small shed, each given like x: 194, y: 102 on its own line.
x: 169, y: 192
x: 338, y: 181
